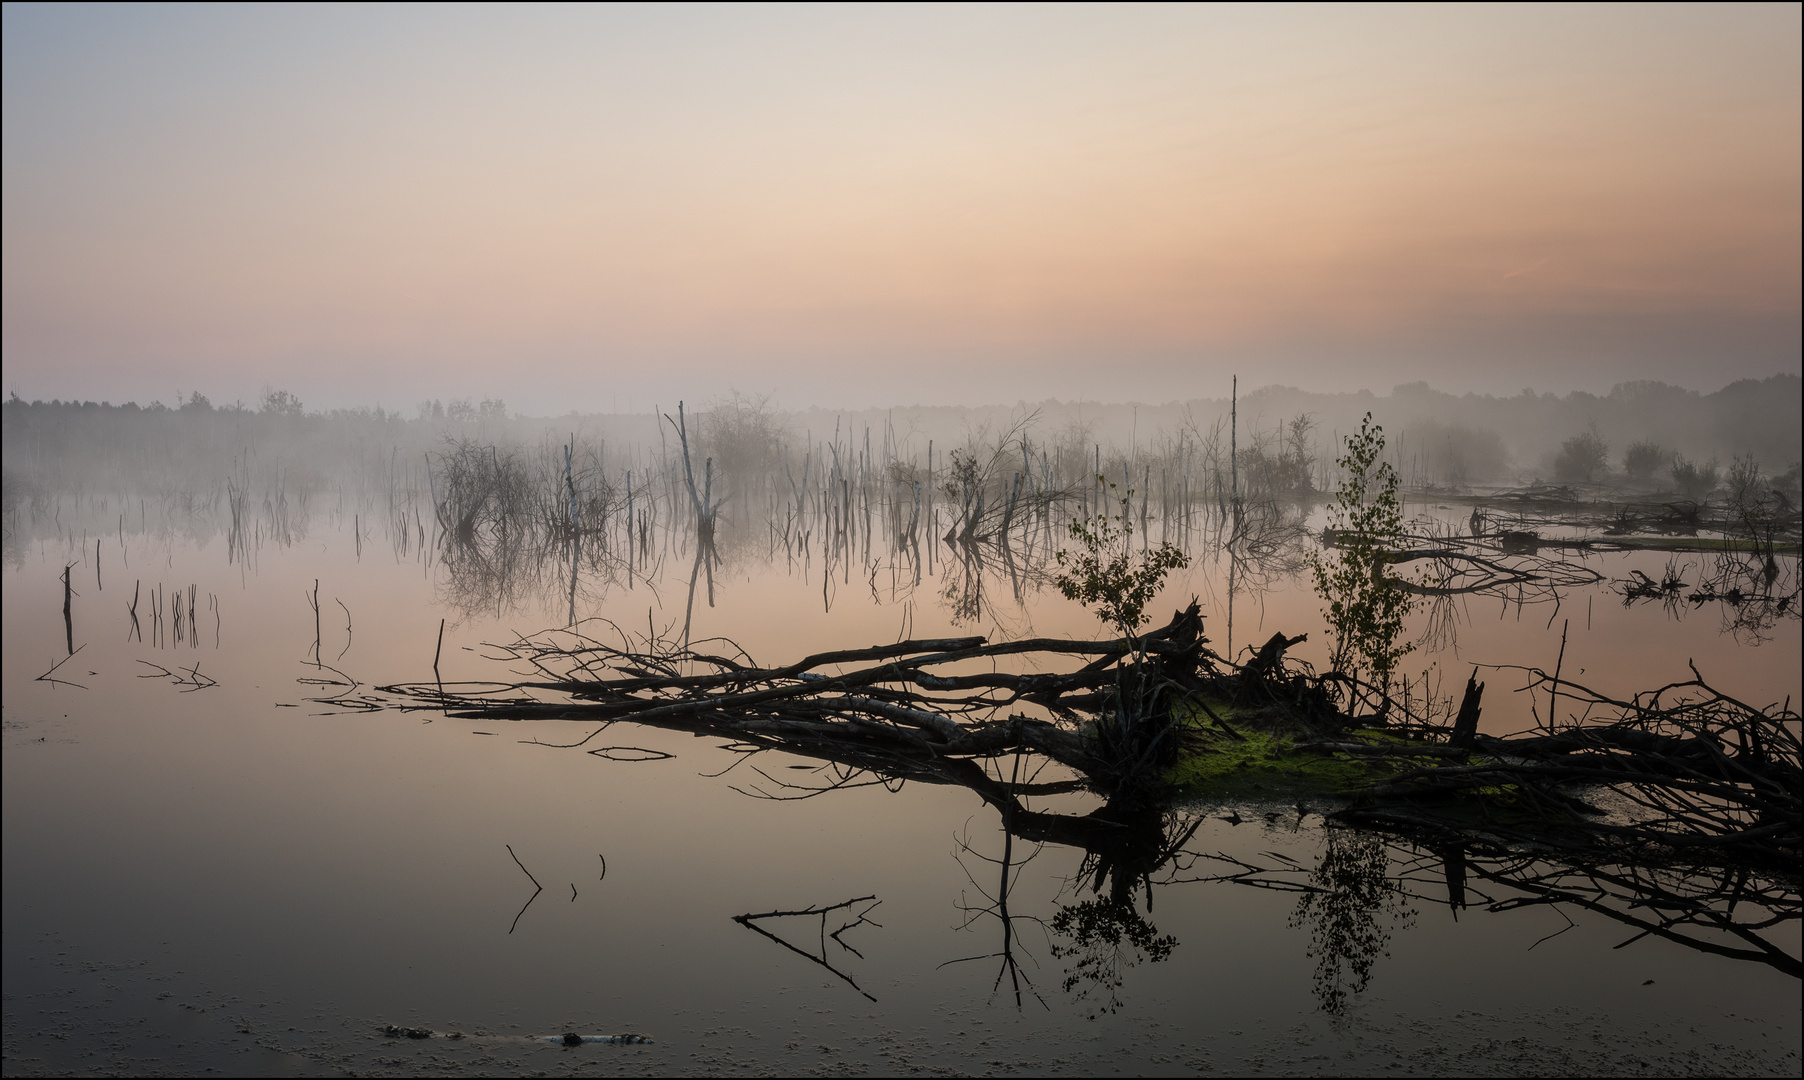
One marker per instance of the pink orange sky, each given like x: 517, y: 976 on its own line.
x: 605, y: 207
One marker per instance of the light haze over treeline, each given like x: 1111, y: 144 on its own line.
x: 1435, y: 439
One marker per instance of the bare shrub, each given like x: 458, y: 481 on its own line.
x: 1745, y: 486
x: 745, y: 436
x: 1695, y: 480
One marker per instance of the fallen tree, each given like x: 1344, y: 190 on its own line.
x: 1684, y: 769
x: 1110, y: 717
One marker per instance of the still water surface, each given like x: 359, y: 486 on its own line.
x: 240, y: 877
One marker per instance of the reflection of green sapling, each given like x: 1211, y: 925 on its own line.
x: 1365, y: 608
x: 1107, y: 574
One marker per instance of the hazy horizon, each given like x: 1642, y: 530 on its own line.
x: 1247, y: 391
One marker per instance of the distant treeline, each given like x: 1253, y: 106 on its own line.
x: 1639, y: 430
x: 1759, y: 417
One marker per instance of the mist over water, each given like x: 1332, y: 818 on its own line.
x: 206, y: 807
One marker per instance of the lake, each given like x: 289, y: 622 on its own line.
x: 209, y: 864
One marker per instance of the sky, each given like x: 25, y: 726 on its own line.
x: 599, y: 208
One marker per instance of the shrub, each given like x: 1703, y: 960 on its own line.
x: 1644, y: 458
x: 279, y: 403
x: 1695, y: 480
x: 1582, y: 457
x: 1107, y: 573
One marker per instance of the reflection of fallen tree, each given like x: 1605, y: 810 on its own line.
x: 1459, y: 571
x: 1009, y: 955
x: 1753, y: 595
x: 1102, y: 936
x: 1736, y: 913
x: 1360, y: 892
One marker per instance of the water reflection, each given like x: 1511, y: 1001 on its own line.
x: 566, y: 524
x: 1351, y: 909
x: 1364, y: 888
x: 1739, y: 912
x: 603, y: 539
x: 1102, y: 936
x: 1753, y: 591
x: 1106, y: 939
x: 858, y: 909
x: 994, y: 559
x: 977, y: 574
x: 995, y: 905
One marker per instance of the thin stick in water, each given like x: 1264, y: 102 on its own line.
x: 1553, y: 692
x: 347, y: 611
x: 537, y: 888
x: 68, y: 617
x: 435, y: 655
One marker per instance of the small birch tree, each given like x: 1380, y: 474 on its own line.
x: 1107, y: 575
x: 1365, y: 608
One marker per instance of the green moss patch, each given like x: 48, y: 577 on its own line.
x: 1262, y: 764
